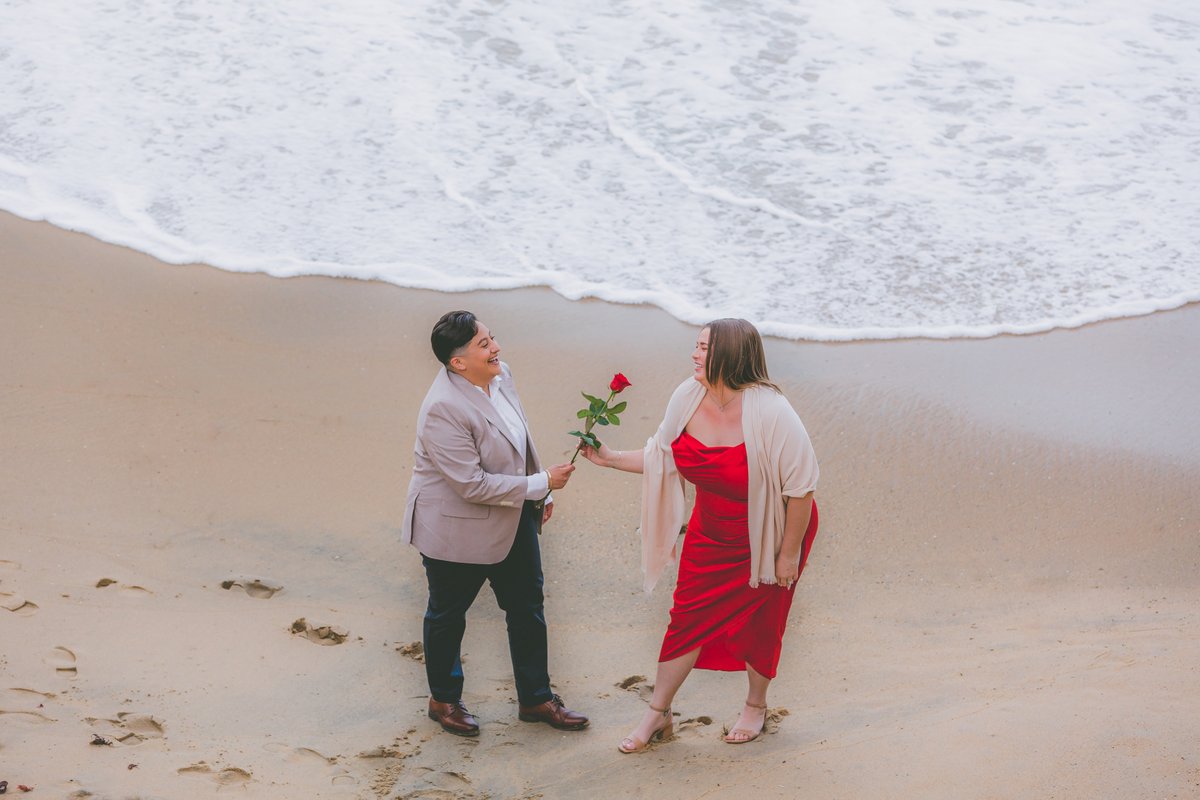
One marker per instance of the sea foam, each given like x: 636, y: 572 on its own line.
x: 830, y: 171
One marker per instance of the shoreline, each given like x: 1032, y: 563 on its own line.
x: 1002, y: 600
x: 1129, y: 309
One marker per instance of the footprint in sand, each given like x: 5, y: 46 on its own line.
x: 413, y: 650
x: 27, y: 716
x: 63, y: 661
x: 443, y: 785
x: 436, y: 794
x: 22, y: 704
x: 321, y: 634
x: 229, y: 776
x: 30, y: 694
x: 301, y: 756
x: 637, y: 684
x: 125, y: 590
x: 25, y: 704
x: 694, y: 722
x: 17, y: 604
x: 129, y: 728
x: 382, y: 751
x: 255, y: 587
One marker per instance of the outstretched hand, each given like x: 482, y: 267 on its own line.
x: 601, y: 457
x: 559, y: 475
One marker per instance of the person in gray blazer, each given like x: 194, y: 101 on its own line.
x: 476, y: 503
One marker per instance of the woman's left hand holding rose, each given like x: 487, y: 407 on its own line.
x: 601, y: 456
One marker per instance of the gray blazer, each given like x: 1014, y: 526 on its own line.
x: 469, y: 480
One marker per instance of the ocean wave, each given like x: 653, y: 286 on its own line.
x: 891, y: 169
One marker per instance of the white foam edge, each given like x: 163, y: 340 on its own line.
x: 172, y: 250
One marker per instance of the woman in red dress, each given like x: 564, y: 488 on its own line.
x: 729, y: 431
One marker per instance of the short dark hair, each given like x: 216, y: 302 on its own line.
x: 735, y: 355
x: 451, y: 332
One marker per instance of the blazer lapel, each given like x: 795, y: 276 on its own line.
x: 510, y: 392
x: 480, y: 401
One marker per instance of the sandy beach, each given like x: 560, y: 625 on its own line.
x: 1003, y: 600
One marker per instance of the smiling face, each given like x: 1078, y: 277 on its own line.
x: 479, y: 359
x: 700, y: 356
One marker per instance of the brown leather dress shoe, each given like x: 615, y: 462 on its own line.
x: 554, y: 714
x: 453, y: 717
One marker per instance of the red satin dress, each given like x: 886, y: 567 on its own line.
x: 715, y: 608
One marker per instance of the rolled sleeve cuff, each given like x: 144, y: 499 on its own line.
x: 538, y: 486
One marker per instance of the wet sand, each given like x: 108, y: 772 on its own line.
x: 1003, y: 600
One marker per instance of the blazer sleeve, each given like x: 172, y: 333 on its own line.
x: 450, y: 445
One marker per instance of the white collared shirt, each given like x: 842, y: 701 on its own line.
x: 539, y: 482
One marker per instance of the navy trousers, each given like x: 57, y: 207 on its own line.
x: 517, y: 583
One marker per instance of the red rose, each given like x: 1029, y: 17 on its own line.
x: 599, y: 412
x: 619, y: 382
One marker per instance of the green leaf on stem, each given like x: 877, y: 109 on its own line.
x: 587, y: 438
x: 582, y: 414
x: 618, y: 408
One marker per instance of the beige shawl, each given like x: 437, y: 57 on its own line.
x: 781, y: 463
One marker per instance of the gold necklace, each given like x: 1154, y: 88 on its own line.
x: 722, y: 406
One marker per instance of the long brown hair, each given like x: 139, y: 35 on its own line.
x: 735, y: 355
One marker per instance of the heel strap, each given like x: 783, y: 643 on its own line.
x: 664, y: 711
x: 756, y: 705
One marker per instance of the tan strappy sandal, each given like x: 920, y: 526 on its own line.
x: 662, y: 733
x: 752, y: 735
